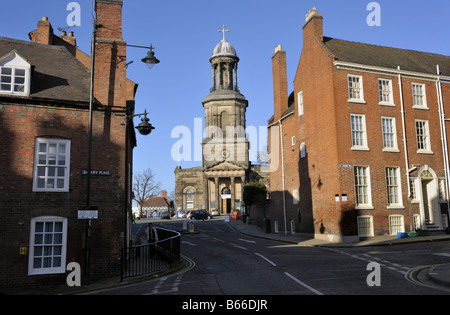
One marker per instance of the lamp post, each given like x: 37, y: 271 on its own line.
x: 144, y: 128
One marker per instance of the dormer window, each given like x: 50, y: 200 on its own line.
x: 14, y: 75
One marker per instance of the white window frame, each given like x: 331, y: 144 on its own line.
x: 393, y: 187
x: 47, y: 246
x: 396, y: 224
x: 295, y: 196
x: 416, y: 96
x: 14, y: 63
x: 355, y: 88
x: 52, y: 166
x: 389, y: 130
x: 358, y: 143
x: 413, y: 186
x: 365, y: 226
x: 423, y: 140
x: 384, y: 87
x: 361, y: 181
x: 293, y: 140
x: 300, y: 103
x: 302, y: 150
x: 442, y: 190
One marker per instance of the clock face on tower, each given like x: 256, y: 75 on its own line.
x: 225, y: 154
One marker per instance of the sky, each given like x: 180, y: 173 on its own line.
x: 184, y: 34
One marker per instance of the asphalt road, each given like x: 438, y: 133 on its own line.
x: 221, y: 261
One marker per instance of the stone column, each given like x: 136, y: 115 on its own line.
x: 218, y: 205
x: 233, y: 204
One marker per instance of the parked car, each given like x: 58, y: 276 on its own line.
x: 215, y: 213
x: 199, y: 215
x: 165, y: 215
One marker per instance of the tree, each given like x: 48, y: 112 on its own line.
x: 254, y: 192
x: 145, y: 186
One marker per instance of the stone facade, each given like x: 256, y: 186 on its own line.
x: 218, y: 184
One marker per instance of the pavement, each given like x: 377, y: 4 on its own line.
x: 439, y: 273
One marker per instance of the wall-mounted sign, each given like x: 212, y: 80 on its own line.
x: 225, y: 196
x: 87, y: 214
x: 97, y: 173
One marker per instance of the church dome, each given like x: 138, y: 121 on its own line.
x: 224, y: 48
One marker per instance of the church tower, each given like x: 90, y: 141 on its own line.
x: 225, y: 109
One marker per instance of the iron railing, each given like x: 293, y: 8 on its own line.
x: 152, y: 257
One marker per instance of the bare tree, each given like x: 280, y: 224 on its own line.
x: 144, y: 186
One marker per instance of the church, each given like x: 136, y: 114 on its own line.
x: 219, y: 183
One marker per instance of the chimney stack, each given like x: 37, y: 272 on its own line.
x: 313, y: 27
x: 110, y: 58
x: 280, y: 84
x: 43, y: 34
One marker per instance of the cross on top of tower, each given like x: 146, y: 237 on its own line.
x: 223, y: 30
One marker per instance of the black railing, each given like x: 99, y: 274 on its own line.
x: 152, y: 257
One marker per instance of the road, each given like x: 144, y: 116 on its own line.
x: 224, y: 262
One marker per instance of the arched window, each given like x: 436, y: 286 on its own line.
x: 190, y: 199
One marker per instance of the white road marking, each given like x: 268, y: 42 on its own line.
x: 303, y: 284
x: 266, y: 259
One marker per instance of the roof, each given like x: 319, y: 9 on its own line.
x: 387, y: 57
x: 56, y: 74
x: 155, y: 202
x: 224, y: 48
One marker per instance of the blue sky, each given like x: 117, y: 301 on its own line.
x: 184, y: 34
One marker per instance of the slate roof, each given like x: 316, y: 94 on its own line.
x: 56, y: 74
x: 387, y: 57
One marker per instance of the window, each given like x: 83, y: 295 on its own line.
x: 365, y: 226
x: 362, y: 187
x: 302, y: 150
x: 385, y: 92
x: 190, y: 199
x: 423, y: 136
x: 51, y: 165
x: 442, y: 191
x: 14, y: 75
x: 355, y: 89
x: 412, y: 185
x: 48, y: 243
x: 300, y: 103
x: 396, y: 224
x: 295, y: 197
x: 419, y: 98
x: 394, y: 196
x: 358, y: 128
x: 389, y: 134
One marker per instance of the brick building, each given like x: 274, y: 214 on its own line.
x: 360, y: 146
x: 44, y: 114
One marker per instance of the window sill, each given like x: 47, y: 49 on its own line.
x: 360, y: 149
x: 421, y: 107
x: 395, y: 207
x: 364, y: 207
x: 391, y: 150
x: 421, y: 151
x: 386, y: 104
x: 357, y: 101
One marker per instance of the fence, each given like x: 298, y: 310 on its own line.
x: 152, y: 257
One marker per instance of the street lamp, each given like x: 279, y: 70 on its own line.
x: 144, y: 127
x: 150, y: 60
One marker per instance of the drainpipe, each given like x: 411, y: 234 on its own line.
x: 282, y: 176
x: 443, y: 137
x: 405, y: 146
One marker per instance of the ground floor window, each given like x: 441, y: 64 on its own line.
x: 48, y: 245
